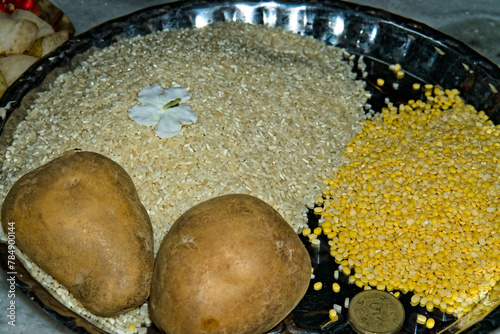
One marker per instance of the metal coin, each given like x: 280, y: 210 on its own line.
x: 376, y: 312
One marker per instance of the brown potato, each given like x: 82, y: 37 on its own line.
x: 16, y: 36
x: 79, y: 218
x: 231, y: 264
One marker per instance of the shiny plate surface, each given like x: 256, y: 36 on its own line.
x: 381, y: 38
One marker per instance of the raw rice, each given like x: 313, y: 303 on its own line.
x: 275, y: 111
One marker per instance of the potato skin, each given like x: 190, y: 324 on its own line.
x: 230, y: 265
x: 80, y: 219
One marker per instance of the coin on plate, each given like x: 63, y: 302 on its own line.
x: 376, y: 312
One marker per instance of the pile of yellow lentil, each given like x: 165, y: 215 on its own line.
x: 417, y: 207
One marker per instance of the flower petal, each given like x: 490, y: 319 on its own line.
x: 184, y: 113
x: 145, y: 115
x: 174, y: 93
x: 168, y: 126
x: 151, y: 95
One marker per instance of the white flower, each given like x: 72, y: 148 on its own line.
x: 163, y: 109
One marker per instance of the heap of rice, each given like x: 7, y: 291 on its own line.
x: 275, y: 111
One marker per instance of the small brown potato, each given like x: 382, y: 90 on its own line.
x: 79, y: 218
x: 44, y: 28
x: 229, y: 265
x: 16, y: 36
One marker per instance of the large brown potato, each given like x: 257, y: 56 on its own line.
x: 230, y: 265
x: 79, y: 218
